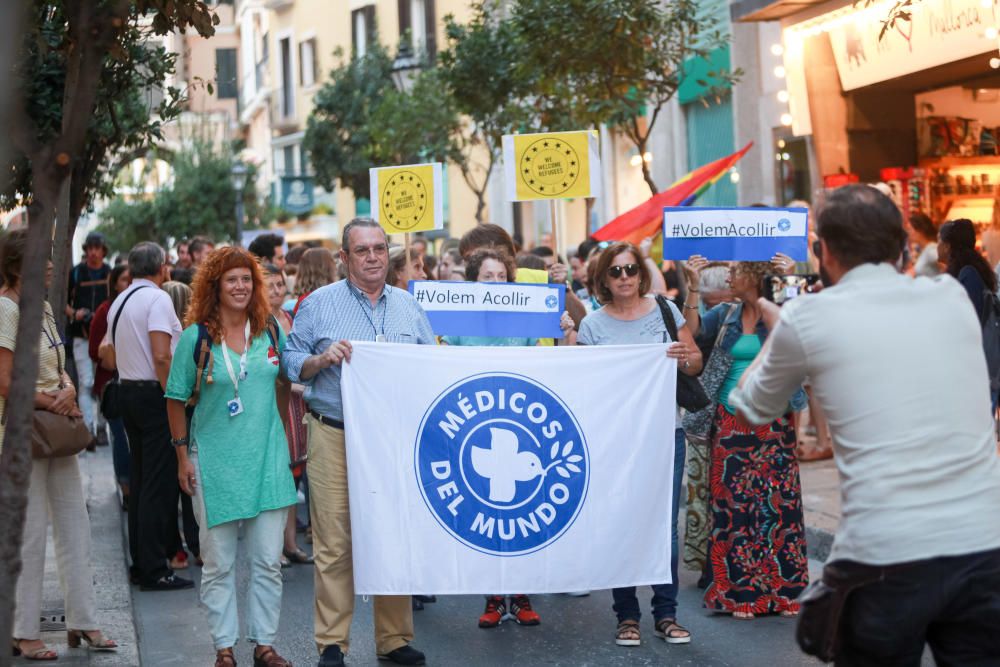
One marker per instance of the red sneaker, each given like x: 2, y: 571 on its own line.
x: 496, y: 609
x: 520, y: 608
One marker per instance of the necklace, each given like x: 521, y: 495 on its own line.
x: 379, y: 337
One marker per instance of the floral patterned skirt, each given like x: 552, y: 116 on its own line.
x: 757, y: 545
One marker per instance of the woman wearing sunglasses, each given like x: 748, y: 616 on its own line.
x: 627, y: 317
x: 756, y: 540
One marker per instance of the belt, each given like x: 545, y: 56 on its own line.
x: 140, y: 383
x: 335, y: 423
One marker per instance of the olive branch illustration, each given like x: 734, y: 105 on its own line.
x: 563, y: 465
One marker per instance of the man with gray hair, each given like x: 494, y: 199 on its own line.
x: 144, y: 330
x: 361, y: 308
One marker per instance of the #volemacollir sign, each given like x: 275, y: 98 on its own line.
x: 751, y: 234
x: 491, y: 309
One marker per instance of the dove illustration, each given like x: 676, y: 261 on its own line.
x: 504, y: 466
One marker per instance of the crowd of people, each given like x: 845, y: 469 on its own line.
x: 225, y: 346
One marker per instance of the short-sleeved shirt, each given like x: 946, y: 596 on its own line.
x: 243, y: 460
x: 340, y: 311
x: 88, y: 288
x: 51, y: 351
x: 148, y: 311
x: 600, y: 328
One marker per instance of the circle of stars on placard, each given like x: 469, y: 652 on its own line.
x: 404, y: 200
x: 549, y: 167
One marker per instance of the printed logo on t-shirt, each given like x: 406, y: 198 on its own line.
x: 272, y: 356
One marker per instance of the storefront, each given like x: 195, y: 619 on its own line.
x: 916, y: 106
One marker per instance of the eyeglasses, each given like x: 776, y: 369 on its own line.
x: 631, y: 270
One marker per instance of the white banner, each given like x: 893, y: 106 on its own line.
x: 551, y: 475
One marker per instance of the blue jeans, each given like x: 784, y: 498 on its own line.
x: 664, y: 595
x: 119, y: 449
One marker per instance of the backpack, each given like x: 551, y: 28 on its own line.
x: 203, y: 355
x: 990, y: 317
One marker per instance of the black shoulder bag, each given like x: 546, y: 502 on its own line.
x: 690, y: 394
x: 110, y: 402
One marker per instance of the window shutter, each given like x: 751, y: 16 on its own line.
x: 431, y: 30
x: 405, y: 21
x: 370, y: 23
x: 354, y: 33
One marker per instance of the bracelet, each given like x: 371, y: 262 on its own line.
x: 693, y: 290
x: 179, y: 442
x: 690, y: 307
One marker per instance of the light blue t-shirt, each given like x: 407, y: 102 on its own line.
x: 489, y: 341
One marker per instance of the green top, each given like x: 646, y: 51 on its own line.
x: 243, y: 460
x: 744, y: 352
x: 489, y: 341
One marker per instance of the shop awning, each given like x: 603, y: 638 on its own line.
x: 769, y: 10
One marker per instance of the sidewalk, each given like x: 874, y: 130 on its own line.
x: 114, y: 599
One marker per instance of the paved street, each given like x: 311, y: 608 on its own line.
x: 171, y: 629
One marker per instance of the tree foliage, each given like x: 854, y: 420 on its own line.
x: 198, y: 200
x: 338, y: 132
x: 481, y: 76
x: 614, y: 62
x: 361, y: 121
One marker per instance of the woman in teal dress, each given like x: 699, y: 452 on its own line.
x: 234, y: 462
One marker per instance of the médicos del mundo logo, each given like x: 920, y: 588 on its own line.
x: 502, y: 464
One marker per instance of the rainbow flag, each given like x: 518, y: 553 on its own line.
x: 645, y: 219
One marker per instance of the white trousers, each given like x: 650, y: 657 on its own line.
x: 55, y: 493
x: 263, y: 539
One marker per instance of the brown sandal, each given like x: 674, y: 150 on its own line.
x: 224, y: 658
x: 269, y: 658
x: 672, y: 632
x: 628, y: 633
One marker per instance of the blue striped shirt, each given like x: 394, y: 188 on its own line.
x: 342, y: 312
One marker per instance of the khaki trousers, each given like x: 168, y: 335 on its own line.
x: 329, y: 511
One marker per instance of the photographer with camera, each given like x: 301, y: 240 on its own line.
x: 88, y: 289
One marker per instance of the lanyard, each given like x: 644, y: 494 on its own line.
x: 364, y: 309
x: 243, y: 360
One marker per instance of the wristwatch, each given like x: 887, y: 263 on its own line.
x: 179, y: 442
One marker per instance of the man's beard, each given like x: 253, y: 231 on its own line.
x: 824, y: 275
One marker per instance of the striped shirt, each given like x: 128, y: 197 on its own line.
x: 342, y: 312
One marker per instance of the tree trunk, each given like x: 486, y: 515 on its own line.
x: 480, y: 205
x: 15, y: 458
x: 646, y: 173
x: 62, y: 256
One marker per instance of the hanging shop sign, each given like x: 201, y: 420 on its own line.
x: 940, y: 32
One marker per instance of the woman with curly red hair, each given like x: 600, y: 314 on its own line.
x: 234, y: 462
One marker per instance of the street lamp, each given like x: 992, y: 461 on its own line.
x: 405, y: 68
x: 238, y: 174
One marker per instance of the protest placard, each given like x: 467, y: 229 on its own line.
x: 551, y: 165
x: 491, y: 309
x: 408, y: 198
x: 751, y: 234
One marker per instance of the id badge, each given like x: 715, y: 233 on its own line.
x: 380, y: 338
x: 235, y: 407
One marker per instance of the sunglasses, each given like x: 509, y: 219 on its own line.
x: 631, y: 270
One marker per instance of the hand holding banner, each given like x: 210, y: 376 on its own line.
x: 408, y: 198
x: 751, y: 234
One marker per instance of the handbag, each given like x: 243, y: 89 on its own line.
x: 690, y: 394
x: 698, y: 424
x: 823, y: 603
x: 52, y: 435
x: 111, y: 393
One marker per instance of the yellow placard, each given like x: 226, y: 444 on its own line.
x: 406, y: 198
x: 550, y: 166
